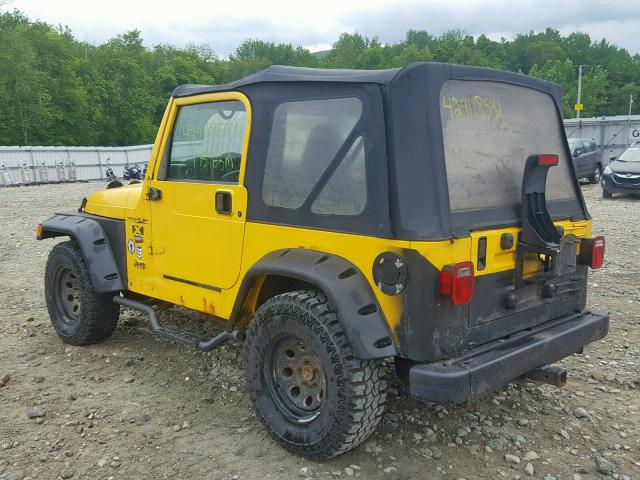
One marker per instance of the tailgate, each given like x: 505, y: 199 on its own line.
x: 510, y: 184
x: 494, y: 255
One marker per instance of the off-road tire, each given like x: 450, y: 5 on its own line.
x: 597, y: 175
x: 355, y: 389
x: 96, y: 316
x: 606, y: 194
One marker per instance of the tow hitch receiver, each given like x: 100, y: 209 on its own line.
x: 548, y: 374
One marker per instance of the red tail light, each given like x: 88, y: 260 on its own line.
x: 592, y: 252
x: 457, y: 281
x: 547, y: 160
x: 597, y: 252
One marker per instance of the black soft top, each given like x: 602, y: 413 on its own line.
x: 281, y: 73
x: 407, y: 189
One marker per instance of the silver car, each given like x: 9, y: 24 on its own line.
x: 587, y: 158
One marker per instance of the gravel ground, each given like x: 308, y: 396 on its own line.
x: 138, y: 407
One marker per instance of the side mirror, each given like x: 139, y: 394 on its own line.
x: 576, y: 153
x: 612, y: 158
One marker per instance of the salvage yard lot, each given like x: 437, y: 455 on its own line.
x: 139, y: 407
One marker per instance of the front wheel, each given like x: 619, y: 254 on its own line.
x: 79, y: 314
x: 596, y: 176
x: 305, y: 385
x: 606, y: 194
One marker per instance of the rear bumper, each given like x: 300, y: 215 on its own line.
x: 490, y: 367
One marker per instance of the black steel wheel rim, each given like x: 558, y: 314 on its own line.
x: 67, y: 295
x: 295, y: 378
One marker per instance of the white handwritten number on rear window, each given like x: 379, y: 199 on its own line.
x: 476, y: 107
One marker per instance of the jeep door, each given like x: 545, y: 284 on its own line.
x: 198, y: 200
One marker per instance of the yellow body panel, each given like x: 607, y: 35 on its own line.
x: 191, y: 237
x: 499, y: 260
x: 115, y: 202
x: 206, y: 255
x: 261, y: 239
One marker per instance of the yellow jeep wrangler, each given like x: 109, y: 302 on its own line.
x: 336, y: 218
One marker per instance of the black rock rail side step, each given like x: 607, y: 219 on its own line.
x: 177, y: 335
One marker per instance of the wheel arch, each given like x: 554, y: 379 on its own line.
x: 360, y: 315
x: 107, y: 275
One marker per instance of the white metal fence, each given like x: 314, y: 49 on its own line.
x: 25, y: 165
x: 612, y: 134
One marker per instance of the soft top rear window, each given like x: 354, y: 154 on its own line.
x: 489, y: 130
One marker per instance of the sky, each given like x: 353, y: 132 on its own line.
x: 223, y: 25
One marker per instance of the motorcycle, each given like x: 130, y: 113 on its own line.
x: 133, y: 172
x: 112, y: 180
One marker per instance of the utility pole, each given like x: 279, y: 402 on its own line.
x: 579, y: 105
x: 629, y: 121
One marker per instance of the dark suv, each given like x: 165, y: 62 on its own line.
x: 587, y: 158
x: 622, y: 175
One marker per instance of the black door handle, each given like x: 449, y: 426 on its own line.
x: 223, y: 202
x: 482, y: 253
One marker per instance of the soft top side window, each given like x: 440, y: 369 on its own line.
x: 207, y: 142
x: 319, y: 158
x: 314, y: 159
x: 346, y: 191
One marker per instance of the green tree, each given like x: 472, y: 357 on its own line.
x: 349, y: 51
x: 26, y: 104
x: 123, y: 91
x: 564, y: 73
x: 410, y: 54
x: 275, y: 54
x: 57, y: 90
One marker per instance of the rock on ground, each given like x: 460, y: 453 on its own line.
x: 126, y: 430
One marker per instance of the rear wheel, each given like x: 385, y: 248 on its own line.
x: 79, y: 314
x: 307, y: 388
x: 606, y: 194
x: 597, y: 175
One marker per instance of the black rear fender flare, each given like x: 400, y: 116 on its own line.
x: 362, y: 319
x: 95, y: 246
